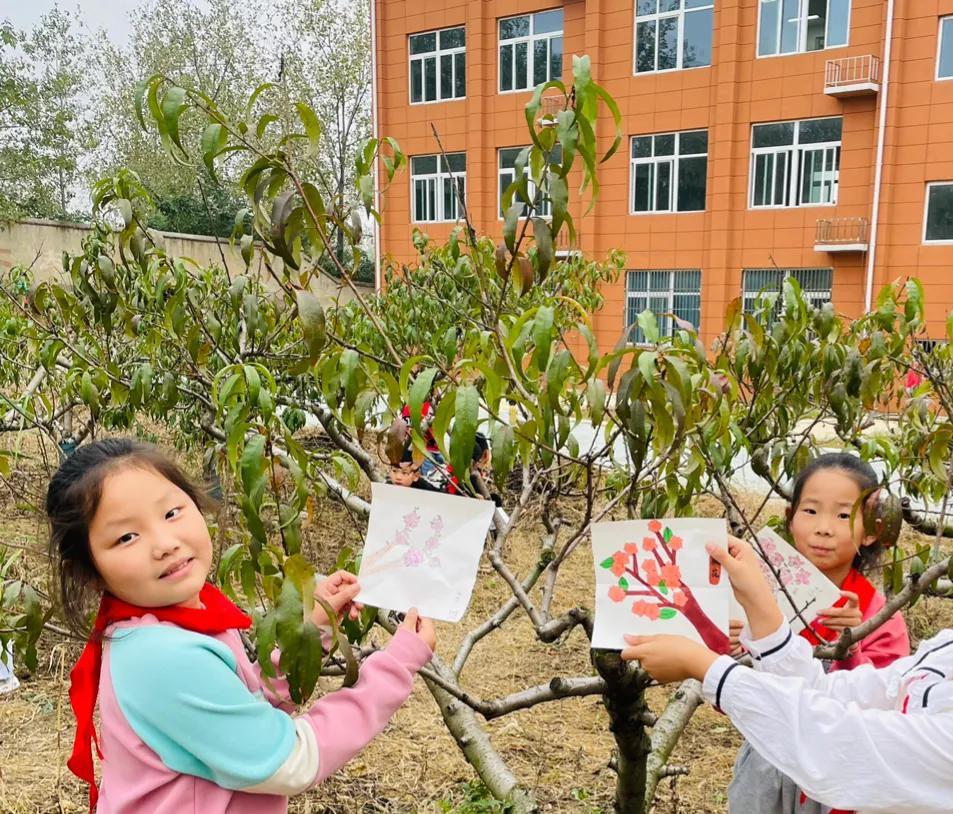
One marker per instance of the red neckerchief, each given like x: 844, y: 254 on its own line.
x: 818, y: 633
x: 854, y: 582
x: 218, y: 615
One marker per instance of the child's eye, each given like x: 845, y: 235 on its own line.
x: 126, y: 538
x: 844, y: 515
x: 172, y: 513
x: 809, y: 511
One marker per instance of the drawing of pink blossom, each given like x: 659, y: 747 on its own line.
x: 437, y: 524
x: 412, y: 519
x: 432, y: 542
x: 413, y: 557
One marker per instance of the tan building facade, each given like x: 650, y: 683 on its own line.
x: 762, y: 138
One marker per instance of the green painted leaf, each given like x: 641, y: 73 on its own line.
x: 623, y: 583
x: 608, y: 562
x: 668, y: 613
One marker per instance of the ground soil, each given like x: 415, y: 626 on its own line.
x: 560, y: 750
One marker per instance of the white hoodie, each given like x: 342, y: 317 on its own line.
x: 874, y: 741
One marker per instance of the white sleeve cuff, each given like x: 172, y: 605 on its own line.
x: 717, y: 678
x: 774, y: 645
x: 298, y: 772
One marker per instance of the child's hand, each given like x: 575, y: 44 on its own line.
x: 735, y: 626
x: 741, y: 562
x: 338, y: 590
x: 669, y: 658
x: 421, y: 626
x: 750, y: 587
x: 840, y: 618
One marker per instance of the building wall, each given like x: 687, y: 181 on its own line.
x: 41, y: 243
x: 738, y: 90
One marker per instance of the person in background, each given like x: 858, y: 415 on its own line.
x: 407, y: 473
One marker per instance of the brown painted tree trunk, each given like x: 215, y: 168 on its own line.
x: 625, y: 703
x: 711, y: 634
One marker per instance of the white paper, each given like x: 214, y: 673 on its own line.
x: 422, y: 550
x: 660, y: 580
x: 807, y: 586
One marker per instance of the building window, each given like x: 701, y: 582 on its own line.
x: 665, y: 293
x: 795, y: 163
x: 531, y: 50
x: 668, y: 172
x: 437, y: 192
x: 944, y: 63
x: 507, y: 175
x: 796, y: 26
x: 815, y: 285
x: 438, y: 65
x: 673, y: 34
x: 939, y: 214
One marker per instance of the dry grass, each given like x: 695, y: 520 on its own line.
x: 561, y: 750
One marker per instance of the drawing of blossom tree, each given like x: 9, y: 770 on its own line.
x: 649, y: 572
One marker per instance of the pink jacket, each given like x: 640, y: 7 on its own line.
x: 189, y: 726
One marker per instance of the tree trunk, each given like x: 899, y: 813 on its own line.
x: 625, y: 703
x: 475, y: 744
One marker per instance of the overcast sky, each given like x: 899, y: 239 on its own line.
x: 111, y: 15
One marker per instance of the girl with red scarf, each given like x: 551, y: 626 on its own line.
x: 824, y: 497
x: 188, y: 724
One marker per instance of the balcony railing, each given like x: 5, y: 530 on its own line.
x: 842, y: 235
x: 852, y: 76
x: 562, y: 244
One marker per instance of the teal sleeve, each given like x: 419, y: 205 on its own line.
x: 180, y: 693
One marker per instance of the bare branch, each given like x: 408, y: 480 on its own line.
x: 666, y: 732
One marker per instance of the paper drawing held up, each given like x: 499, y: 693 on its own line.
x: 422, y: 550
x: 806, y: 589
x: 654, y: 576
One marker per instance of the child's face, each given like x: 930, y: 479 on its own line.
x: 404, y: 474
x: 149, y: 541
x: 820, y: 524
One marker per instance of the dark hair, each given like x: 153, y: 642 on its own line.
x: 480, y: 445
x: 861, y: 473
x: 71, y: 501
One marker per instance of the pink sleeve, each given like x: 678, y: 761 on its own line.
x: 884, y: 646
x: 344, y: 722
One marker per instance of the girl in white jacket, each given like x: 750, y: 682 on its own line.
x: 875, y: 741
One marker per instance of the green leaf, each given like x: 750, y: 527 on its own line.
x: 419, y: 393
x: 544, y: 247
x: 608, y: 562
x: 668, y: 613
x: 510, y: 221
x: 649, y: 326
x: 504, y: 450
x: 311, y: 126
x: 463, y: 435
x: 311, y: 314
x: 596, y: 396
x: 623, y: 583
x: 543, y: 335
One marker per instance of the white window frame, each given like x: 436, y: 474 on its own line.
x: 666, y: 323
x: 436, y: 56
x: 530, y: 41
x: 680, y: 44
x: 545, y: 208
x: 945, y: 22
x: 796, y: 153
x: 437, y: 182
x: 814, y: 296
x: 673, y: 159
x: 926, y: 211
x: 801, y: 34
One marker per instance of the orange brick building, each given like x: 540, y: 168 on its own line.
x: 762, y: 138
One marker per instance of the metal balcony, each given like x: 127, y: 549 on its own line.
x: 842, y: 235
x: 852, y: 76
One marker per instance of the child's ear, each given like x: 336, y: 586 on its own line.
x: 875, y: 532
